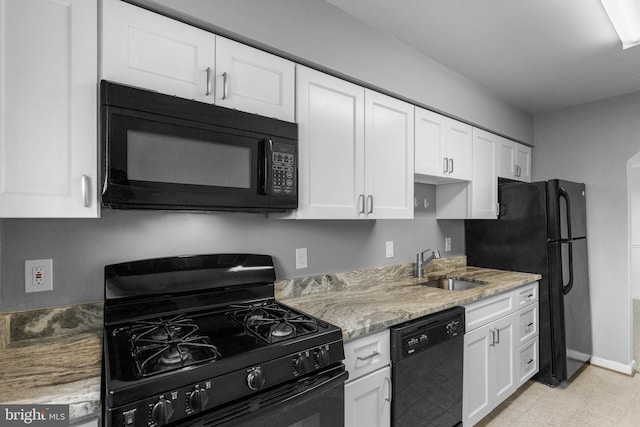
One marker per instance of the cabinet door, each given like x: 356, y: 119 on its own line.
x: 388, y: 157
x: 367, y: 400
x: 503, y: 335
x: 48, y: 130
x: 255, y: 81
x: 430, y: 143
x: 148, y: 50
x: 477, y: 396
x: 506, y: 158
x: 330, y: 115
x: 484, y: 185
x: 523, y: 161
x: 459, y: 150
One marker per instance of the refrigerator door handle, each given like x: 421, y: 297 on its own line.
x: 566, y: 289
x: 565, y: 195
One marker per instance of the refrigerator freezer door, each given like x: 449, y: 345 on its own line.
x: 570, y: 280
x: 567, y: 210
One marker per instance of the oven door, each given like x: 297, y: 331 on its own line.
x: 316, y: 401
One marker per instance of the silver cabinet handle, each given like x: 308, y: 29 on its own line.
x: 493, y: 337
x: 371, y: 356
x: 445, y: 165
x: 497, y: 336
x: 224, y: 85
x: 208, y: 92
x: 86, y: 193
x: 361, y: 203
x: 370, y: 204
x: 389, y: 396
x: 451, y: 165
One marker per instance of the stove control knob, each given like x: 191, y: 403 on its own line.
x: 162, y: 411
x: 322, y: 357
x: 302, y: 364
x: 198, y: 399
x: 255, y: 379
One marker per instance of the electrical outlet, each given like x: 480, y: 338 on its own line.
x: 389, y: 248
x: 447, y: 244
x: 38, y: 275
x: 301, y: 258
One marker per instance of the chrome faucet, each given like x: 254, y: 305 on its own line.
x: 421, y: 263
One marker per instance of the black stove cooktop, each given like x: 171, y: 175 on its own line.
x: 196, y: 333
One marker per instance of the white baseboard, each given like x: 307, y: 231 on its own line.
x: 614, y: 366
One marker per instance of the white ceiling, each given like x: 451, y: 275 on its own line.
x: 539, y: 55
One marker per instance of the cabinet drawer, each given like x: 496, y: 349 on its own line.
x: 527, y: 361
x: 489, y: 309
x: 367, y: 354
x: 527, y: 294
x: 527, y: 323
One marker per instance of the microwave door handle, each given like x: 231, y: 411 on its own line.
x: 266, y: 148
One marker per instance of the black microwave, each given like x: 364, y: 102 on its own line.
x: 163, y: 152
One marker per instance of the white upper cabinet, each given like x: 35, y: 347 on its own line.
x: 330, y: 116
x: 388, y: 167
x: 484, y: 191
x: 514, y: 160
x: 151, y: 51
x: 355, y: 151
x: 144, y: 49
x: 443, y: 148
x: 252, y: 80
x: 48, y: 128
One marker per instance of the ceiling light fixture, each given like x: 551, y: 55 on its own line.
x: 625, y: 17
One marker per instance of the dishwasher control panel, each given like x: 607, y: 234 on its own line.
x: 419, y: 335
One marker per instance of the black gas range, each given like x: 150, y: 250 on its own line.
x: 201, y: 341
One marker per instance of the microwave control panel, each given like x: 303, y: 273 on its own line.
x: 283, y: 169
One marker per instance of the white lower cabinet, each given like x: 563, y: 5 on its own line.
x: 501, y: 349
x: 368, y: 392
x: 368, y: 400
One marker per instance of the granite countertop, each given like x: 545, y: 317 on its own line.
x: 379, y: 298
x: 52, y: 356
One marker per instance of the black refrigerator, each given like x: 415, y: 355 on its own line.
x: 542, y: 228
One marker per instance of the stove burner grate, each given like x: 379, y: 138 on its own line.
x: 167, y: 344
x: 271, y: 322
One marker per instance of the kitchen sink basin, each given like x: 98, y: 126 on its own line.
x: 454, y: 284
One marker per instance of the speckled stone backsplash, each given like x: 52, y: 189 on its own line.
x: 24, y: 327
x: 301, y: 286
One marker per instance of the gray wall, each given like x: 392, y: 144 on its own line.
x: 80, y: 248
x: 319, y: 34
x: 592, y: 144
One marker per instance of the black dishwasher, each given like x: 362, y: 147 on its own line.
x: 426, y: 370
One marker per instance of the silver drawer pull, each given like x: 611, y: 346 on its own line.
x: 530, y: 362
x: 529, y: 297
x: 530, y: 324
x: 371, y: 356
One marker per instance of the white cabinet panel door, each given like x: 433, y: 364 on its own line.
x: 523, y: 160
x: 430, y: 143
x: 459, y: 150
x: 330, y: 115
x: 148, y: 50
x: 367, y: 400
x: 251, y: 80
x: 48, y: 108
x: 389, y: 157
x: 484, y: 186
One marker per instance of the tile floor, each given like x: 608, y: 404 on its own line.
x: 594, y: 397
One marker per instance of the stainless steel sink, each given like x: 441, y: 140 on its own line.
x: 454, y: 284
